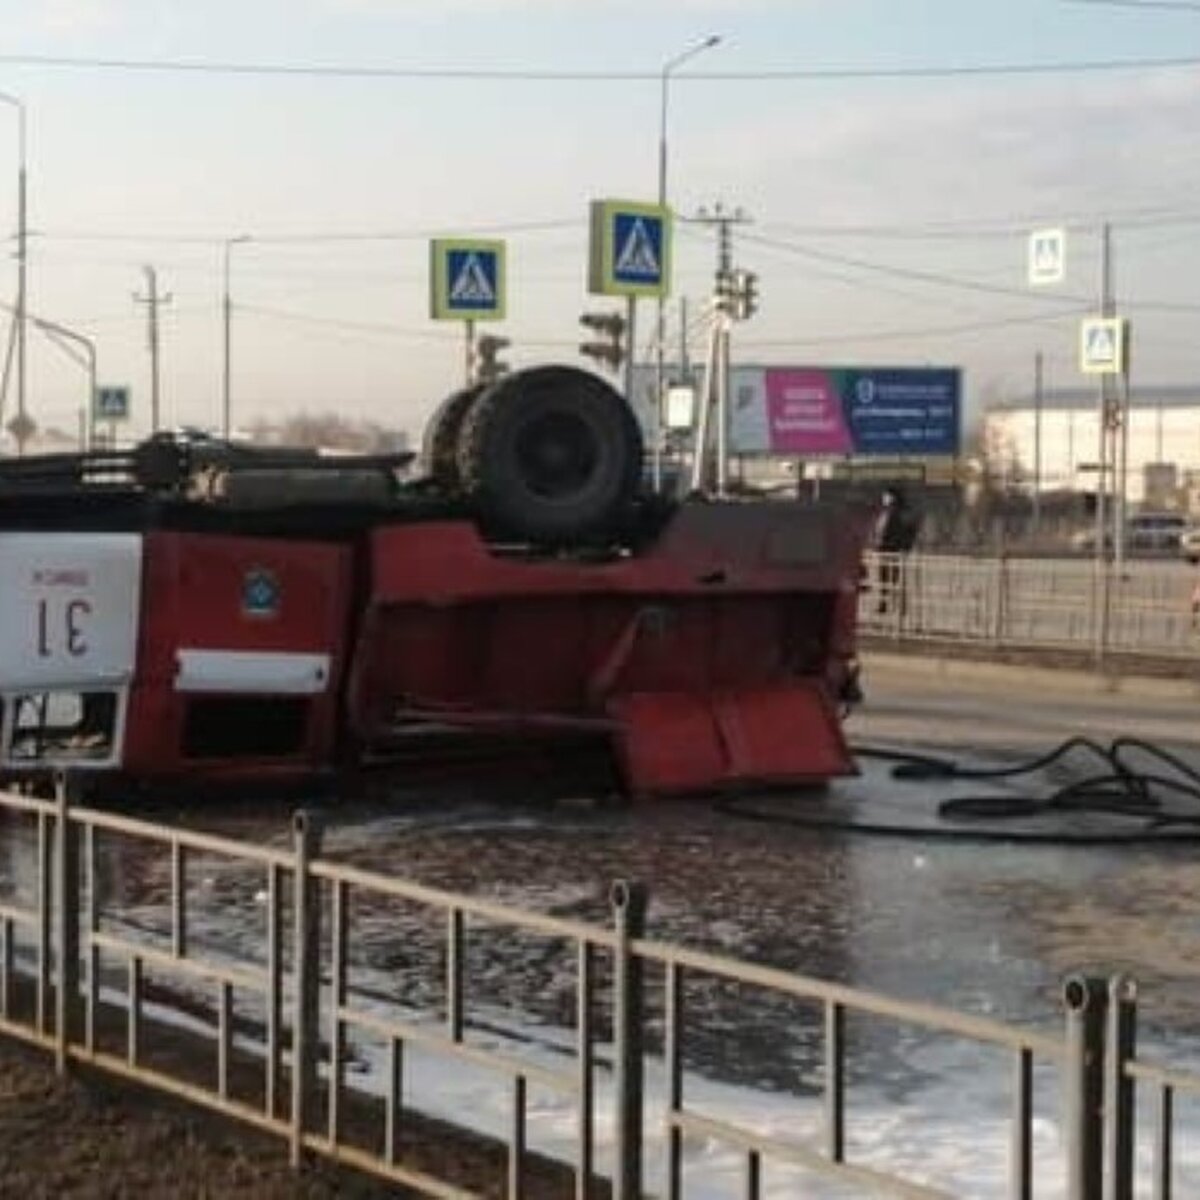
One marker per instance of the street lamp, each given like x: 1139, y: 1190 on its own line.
x: 21, y: 432
x: 659, y: 368
x: 229, y: 243
x: 60, y: 335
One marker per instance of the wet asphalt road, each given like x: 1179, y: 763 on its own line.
x: 988, y: 928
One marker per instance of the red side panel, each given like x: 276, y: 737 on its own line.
x: 675, y: 743
x: 199, y: 595
x: 717, y: 649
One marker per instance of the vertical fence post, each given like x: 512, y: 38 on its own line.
x: 306, y: 957
x: 585, y: 1053
x: 1086, y: 1002
x: 45, y: 919
x: 66, y: 997
x: 1003, y: 583
x: 629, y: 916
x: 1121, y: 1097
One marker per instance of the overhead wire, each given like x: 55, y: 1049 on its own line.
x: 580, y: 75
x: 1169, y: 5
x: 913, y: 332
x: 934, y: 278
x: 1139, y: 217
x: 393, y: 331
x: 416, y: 233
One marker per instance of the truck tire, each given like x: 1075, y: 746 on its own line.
x: 551, y: 455
x: 439, y: 449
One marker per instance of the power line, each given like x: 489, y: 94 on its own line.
x: 952, y: 281
x: 547, y: 75
x: 390, y: 235
x: 931, y: 277
x: 891, y: 335
x: 1178, y: 5
x: 996, y: 228
x: 395, y: 331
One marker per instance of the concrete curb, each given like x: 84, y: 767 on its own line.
x: 1050, y: 679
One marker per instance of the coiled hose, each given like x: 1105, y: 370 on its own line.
x: 1119, y: 788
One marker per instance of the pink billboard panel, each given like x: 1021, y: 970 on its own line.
x: 804, y: 413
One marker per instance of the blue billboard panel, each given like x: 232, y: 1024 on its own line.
x: 903, y: 411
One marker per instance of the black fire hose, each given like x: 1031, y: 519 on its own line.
x: 1120, y: 789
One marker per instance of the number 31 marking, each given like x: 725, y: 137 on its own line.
x: 71, y: 628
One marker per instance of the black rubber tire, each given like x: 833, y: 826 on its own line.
x: 551, y: 455
x: 439, y: 447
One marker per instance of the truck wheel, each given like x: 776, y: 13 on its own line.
x: 439, y: 450
x: 551, y: 454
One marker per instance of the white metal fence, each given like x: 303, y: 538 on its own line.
x: 1145, y: 607
x: 95, y: 993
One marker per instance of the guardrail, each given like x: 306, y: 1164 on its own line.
x: 52, y: 902
x: 1145, y: 607
x: 1127, y: 1070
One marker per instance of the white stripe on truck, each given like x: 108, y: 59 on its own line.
x: 261, y: 671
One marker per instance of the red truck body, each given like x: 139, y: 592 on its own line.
x: 158, y: 648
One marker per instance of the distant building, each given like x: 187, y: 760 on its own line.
x: 1164, y: 441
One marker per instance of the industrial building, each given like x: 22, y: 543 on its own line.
x: 1163, y: 439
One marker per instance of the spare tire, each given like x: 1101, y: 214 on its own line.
x: 439, y: 447
x: 551, y: 454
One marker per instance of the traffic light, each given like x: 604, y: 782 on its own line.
x: 723, y: 297
x: 488, y: 368
x: 612, y: 325
x: 745, y: 294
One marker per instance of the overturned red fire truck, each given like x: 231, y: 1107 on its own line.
x: 201, y: 611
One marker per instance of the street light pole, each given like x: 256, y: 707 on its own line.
x: 661, y: 332
x: 60, y: 334
x: 22, y: 433
x: 226, y: 402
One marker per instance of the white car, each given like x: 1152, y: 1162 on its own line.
x: 1156, y: 531
x: 1189, y: 544
x: 1144, y: 531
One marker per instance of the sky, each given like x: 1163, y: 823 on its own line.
x: 889, y: 213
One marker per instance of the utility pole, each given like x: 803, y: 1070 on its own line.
x: 684, y: 366
x: 152, y: 300
x: 660, y: 339
x: 733, y: 299
x: 724, y: 223
x: 1038, y: 372
x: 1101, y: 572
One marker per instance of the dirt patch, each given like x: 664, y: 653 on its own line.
x: 83, y: 1136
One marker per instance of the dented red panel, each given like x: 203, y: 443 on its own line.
x: 676, y: 744
x: 718, y: 648
x: 755, y: 546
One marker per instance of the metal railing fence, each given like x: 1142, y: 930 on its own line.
x: 1145, y: 607
x: 53, y: 904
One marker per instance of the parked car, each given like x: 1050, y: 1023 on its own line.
x: 1143, y: 531
x: 1189, y: 544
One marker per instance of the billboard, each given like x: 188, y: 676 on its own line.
x: 818, y: 412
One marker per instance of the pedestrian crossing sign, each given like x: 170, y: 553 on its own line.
x: 1103, y: 345
x: 630, y: 249
x: 1047, y: 256
x: 467, y: 280
x: 111, y: 404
